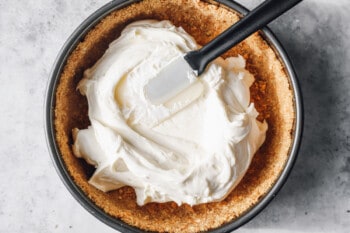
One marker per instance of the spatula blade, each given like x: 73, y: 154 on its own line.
x: 170, y: 81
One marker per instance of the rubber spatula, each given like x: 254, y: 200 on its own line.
x: 174, y: 77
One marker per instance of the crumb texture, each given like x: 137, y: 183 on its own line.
x: 270, y: 93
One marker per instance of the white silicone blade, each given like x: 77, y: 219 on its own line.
x: 170, y: 81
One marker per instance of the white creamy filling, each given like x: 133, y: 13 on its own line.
x: 193, y: 149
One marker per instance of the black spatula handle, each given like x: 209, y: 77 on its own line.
x: 252, y: 22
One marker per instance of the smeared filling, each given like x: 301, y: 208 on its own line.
x: 195, y: 148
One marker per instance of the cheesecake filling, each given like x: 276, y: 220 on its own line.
x: 193, y: 149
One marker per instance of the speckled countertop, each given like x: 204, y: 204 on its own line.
x: 316, y: 197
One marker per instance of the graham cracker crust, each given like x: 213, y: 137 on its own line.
x: 271, y: 94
